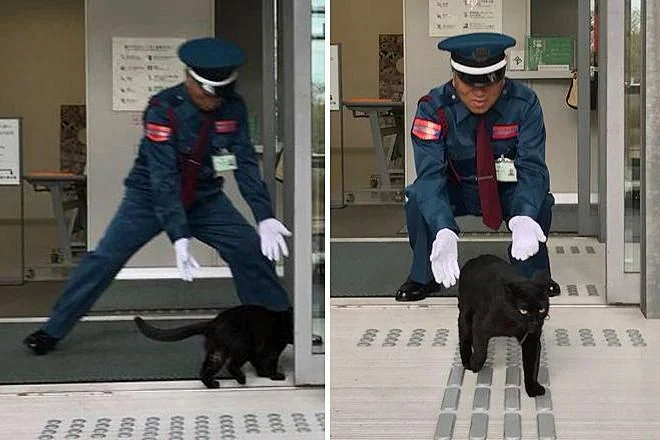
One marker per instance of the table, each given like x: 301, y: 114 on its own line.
x: 58, y: 183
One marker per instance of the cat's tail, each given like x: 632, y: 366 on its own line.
x: 170, y: 334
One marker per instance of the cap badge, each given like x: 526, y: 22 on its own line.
x: 481, y: 54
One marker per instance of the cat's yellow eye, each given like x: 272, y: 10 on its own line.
x: 523, y: 311
x: 541, y: 310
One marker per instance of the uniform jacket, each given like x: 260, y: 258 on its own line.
x: 172, y: 125
x: 444, y: 146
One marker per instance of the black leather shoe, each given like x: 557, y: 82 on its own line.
x: 317, y: 340
x: 40, y: 342
x: 414, y: 291
x: 553, y: 288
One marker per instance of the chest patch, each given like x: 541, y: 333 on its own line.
x: 157, y: 133
x: 505, y: 131
x: 225, y: 127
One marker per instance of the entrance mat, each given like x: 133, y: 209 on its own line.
x: 379, y: 268
x: 109, y: 351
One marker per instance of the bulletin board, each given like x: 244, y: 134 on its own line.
x: 12, y: 261
x: 10, y: 151
x: 335, y: 72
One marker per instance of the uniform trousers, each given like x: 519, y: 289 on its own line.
x: 465, y: 201
x: 215, y: 222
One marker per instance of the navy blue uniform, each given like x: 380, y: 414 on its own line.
x: 445, y: 160
x: 153, y: 203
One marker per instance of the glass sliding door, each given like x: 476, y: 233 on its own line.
x: 299, y: 104
x: 632, y: 133
x: 318, y: 170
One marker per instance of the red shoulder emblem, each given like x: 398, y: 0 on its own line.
x: 226, y: 126
x: 157, y: 132
x: 426, y: 130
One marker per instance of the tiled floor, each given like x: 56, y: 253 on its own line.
x: 256, y: 414
x: 395, y: 375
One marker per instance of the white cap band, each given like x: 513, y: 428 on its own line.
x: 477, y: 70
x: 230, y: 79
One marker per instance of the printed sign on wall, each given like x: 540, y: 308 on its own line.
x: 455, y: 17
x: 10, y: 144
x: 141, y: 67
x: 334, y: 77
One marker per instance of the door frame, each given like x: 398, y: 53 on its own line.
x: 294, y: 106
x: 621, y: 287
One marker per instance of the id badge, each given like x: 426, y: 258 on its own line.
x: 223, y: 162
x: 505, y: 170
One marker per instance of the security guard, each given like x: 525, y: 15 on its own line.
x: 194, y: 133
x: 479, y: 146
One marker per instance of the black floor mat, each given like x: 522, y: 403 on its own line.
x: 379, y: 268
x: 103, y: 352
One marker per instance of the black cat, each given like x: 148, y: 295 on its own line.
x: 495, y: 300
x: 237, y: 335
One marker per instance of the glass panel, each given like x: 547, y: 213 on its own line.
x: 632, y: 135
x: 318, y: 169
x: 594, y: 184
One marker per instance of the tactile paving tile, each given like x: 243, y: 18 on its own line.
x: 392, y: 337
x: 440, y: 338
x: 420, y: 337
x: 592, y: 290
x: 485, y: 376
x: 512, y: 429
x: 481, y: 400
x: 636, y: 337
x: 512, y: 399
x: 478, y: 426
x: 320, y: 419
x: 512, y: 377
x: 611, y: 337
x: 587, y: 337
x: 178, y: 427
x: 544, y: 402
x: 573, y: 250
x: 368, y: 337
x: 450, y: 399
x: 444, y: 430
x: 458, y: 362
x: 545, y: 423
x: 416, y: 337
x: 456, y: 376
x: 562, y: 338
x: 482, y: 392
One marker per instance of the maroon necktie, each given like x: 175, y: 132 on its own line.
x: 488, y: 195
x: 191, y: 165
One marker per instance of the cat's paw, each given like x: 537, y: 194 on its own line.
x: 535, y: 389
x: 211, y: 383
x: 476, y: 366
x: 277, y: 376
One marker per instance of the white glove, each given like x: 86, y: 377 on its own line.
x: 444, y: 258
x: 526, y: 235
x: 185, y: 262
x: 272, y: 234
